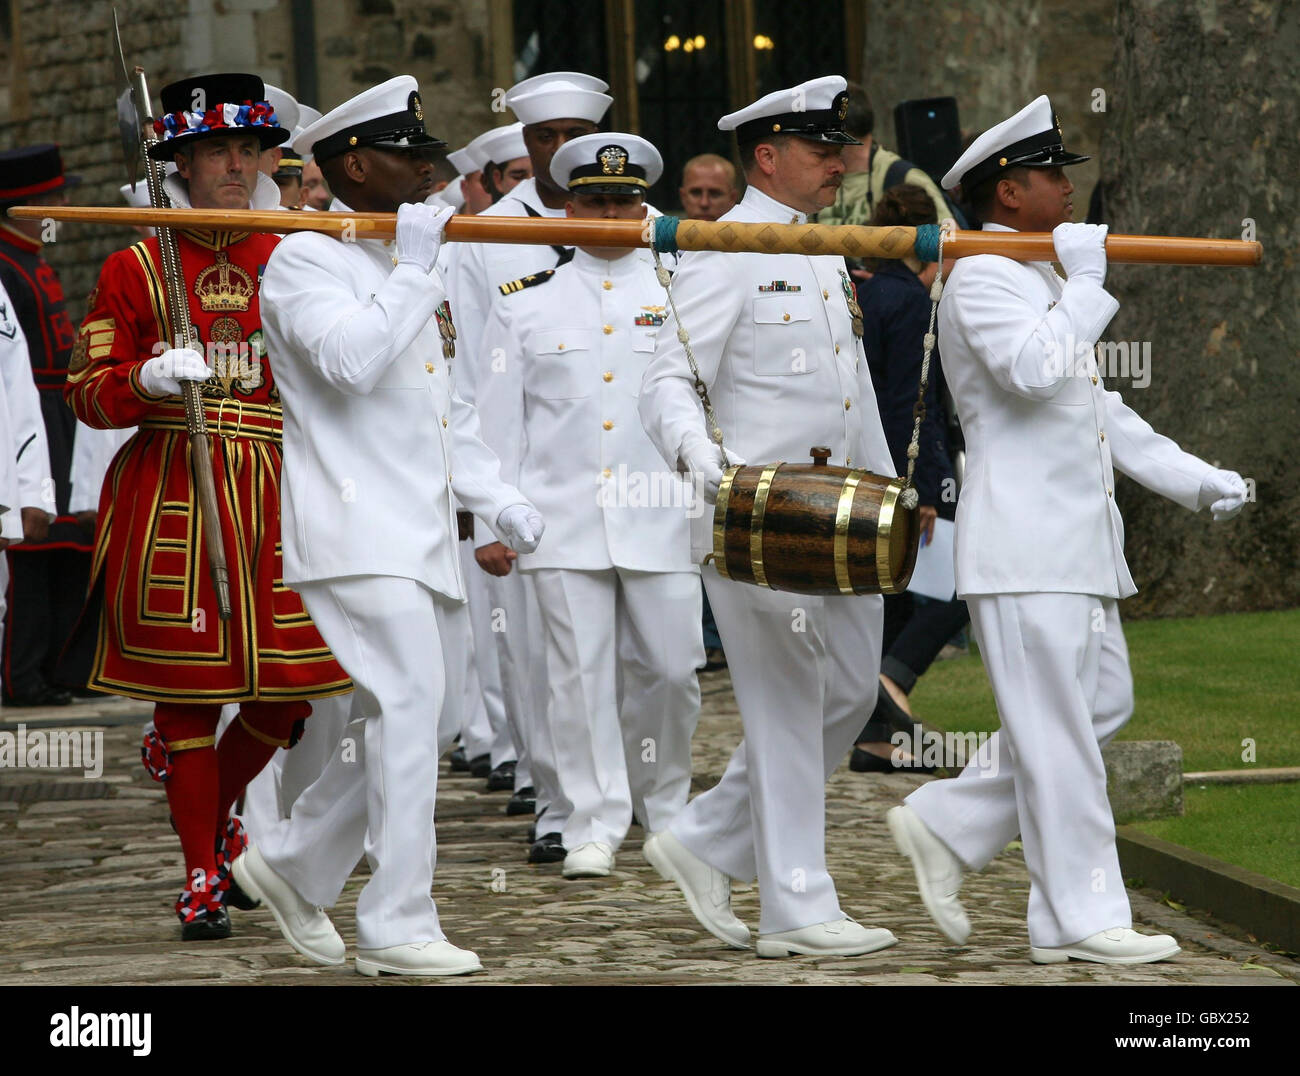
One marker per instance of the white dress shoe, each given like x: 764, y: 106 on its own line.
x: 1118, y: 945
x: 707, y: 891
x: 595, y: 859
x: 938, y: 871
x: 843, y: 937
x: 304, y: 926
x: 418, y: 958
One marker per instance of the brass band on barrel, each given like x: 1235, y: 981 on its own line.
x: 756, y: 522
x: 884, y: 524
x: 720, y: 522
x: 843, y: 513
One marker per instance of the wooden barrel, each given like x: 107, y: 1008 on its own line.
x: 814, y: 529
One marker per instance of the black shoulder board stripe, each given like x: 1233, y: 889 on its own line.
x: 532, y: 280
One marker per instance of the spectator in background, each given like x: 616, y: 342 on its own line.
x: 708, y: 187
x: 870, y: 169
x: 895, y: 305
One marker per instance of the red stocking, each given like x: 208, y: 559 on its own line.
x: 248, y: 744
x: 189, y: 732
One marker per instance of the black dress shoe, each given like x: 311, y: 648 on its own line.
x: 236, y: 897
x: 865, y: 762
x: 42, y: 696
x: 480, y: 766
x: 212, y: 927
x: 524, y: 801
x: 459, y: 763
x: 888, y: 710
x: 502, y: 779
x: 548, y: 848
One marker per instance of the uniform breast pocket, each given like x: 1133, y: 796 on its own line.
x: 561, y: 364
x: 782, y: 343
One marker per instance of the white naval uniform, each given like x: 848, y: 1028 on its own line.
x: 1041, y: 565
x: 774, y: 342
x: 618, y: 593
x: 28, y: 483
x: 375, y: 443
x: 473, y: 273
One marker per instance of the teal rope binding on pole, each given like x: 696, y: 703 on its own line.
x: 665, y: 235
x: 927, y: 242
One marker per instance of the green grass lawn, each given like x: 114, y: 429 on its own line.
x: 1251, y: 826
x: 1208, y: 683
x: 1214, y: 685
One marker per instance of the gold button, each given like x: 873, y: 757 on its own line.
x: 388, y: 242
x: 1103, y: 435
x: 1094, y: 379
x: 607, y: 424
x: 606, y: 473
x: 785, y: 317
x: 776, y: 127
x: 444, y: 423
x: 848, y: 461
x: 428, y: 367
x: 607, y: 329
x: 561, y: 347
x: 1109, y: 494
x: 825, y: 294
x: 794, y: 220
x: 837, y: 349
x: 607, y: 284
x: 847, y: 403
x: 609, y: 375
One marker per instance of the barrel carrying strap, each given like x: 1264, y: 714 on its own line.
x: 701, y: 390
x: 909, y: 498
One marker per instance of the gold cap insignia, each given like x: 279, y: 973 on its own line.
x: 417, y: 107
x: 613, y: 159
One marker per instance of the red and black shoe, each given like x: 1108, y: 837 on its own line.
x: 231, y: 844
x: 203, y: 914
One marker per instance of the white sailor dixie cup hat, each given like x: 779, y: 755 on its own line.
x: 306, y: 117
x: 288, y: 114
x: 468, y: 158
x: 814, y: 110
x: 388, y: 116
x: 559, y: 95
x: 607, y: 163
x: 502, y: 144
x: 1029, y: 139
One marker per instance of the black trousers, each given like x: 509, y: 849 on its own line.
x: 47, y: 588
x: 914, y: 633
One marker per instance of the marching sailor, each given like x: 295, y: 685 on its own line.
x: 619, y: 596
x: 553, y: 109
x: 1040, y: 558
x: 780, y: 353
x: 377, y: 442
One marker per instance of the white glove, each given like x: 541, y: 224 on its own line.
x: 521, y: 526
x: 419, y: 234
x: 704, y: 463
x: 1081, y: 250
x: 162, y: 375
x: 1224, y: 493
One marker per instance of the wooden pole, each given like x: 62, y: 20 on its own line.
x: 731, y: 236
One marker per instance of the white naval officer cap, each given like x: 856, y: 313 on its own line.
x: 390, y: 116
x: 1029, y: 139
x: 609, y: 162
x: 814, y: 110
x: 559, y: 95
x: 503, y: 144
x: 306, y: 117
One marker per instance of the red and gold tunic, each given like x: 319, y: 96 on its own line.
x: 152, y: 603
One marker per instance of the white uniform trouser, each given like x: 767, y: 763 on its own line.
x: 1059, y: 668
x: 405, y: 649
x: 622, y: 648
x: 804, y: 669
x: 486, y: 713
x: 523, y: 686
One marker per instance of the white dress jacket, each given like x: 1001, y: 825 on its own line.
x: 376, y: 440
x: 1043, y: 435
